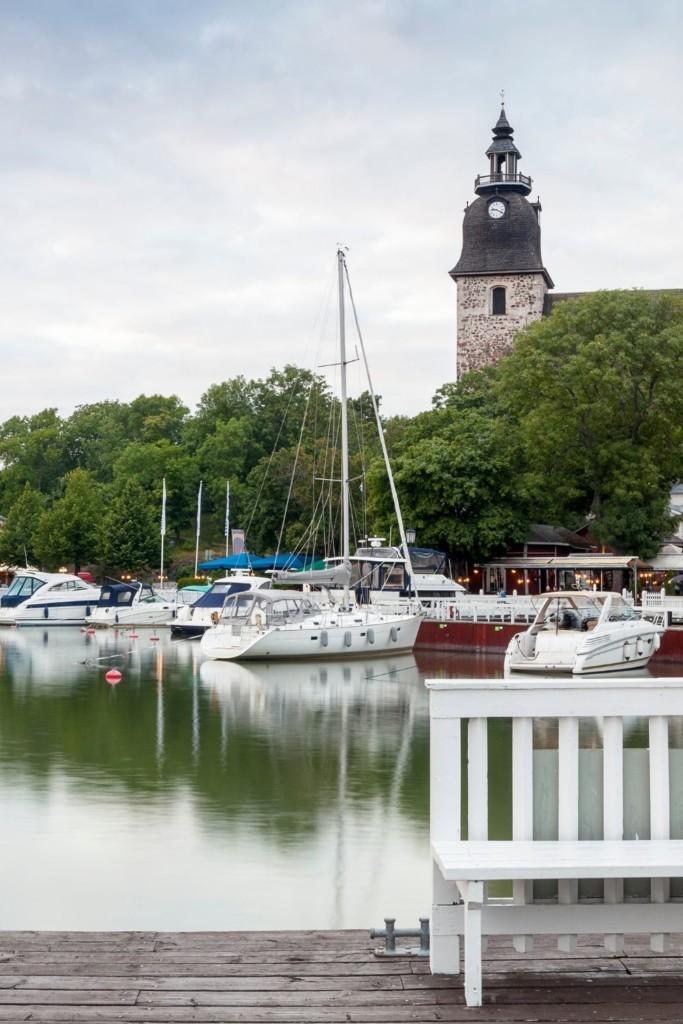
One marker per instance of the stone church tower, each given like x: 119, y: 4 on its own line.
x: 500, y: 275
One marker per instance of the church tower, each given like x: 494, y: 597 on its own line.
x: 500, y: 275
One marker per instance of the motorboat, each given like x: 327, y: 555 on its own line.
x: 130, y: 604
x: 194, y: 619
x: 289, y: 624
x: 380, y: 574
x: 583, y: 633
x: 36, y: 598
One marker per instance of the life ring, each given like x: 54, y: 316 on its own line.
x: 258, y: 618
x: 215, y: 616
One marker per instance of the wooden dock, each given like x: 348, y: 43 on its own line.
x: 304, y: 977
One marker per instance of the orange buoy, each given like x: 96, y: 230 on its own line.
x: 113, y: 676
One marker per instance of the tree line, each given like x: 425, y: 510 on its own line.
x: 583, y: 421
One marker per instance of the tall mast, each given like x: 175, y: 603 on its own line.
x: 346, y: 552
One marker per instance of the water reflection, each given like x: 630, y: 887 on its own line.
x: 208, y: 795
x: 198, y: 794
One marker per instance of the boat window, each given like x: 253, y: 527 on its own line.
x: 24, y: 586
x: 281, y: 609
x: 124, y: 597
x: 237, y: 607
x: 58, y: 586
x: 394, y: 578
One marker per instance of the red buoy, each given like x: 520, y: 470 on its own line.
x: 132, y: 635
x: 113, y: 676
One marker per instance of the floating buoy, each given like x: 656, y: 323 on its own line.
x: 132, y: 635
x: 113, y: 676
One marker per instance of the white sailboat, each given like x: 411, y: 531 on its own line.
x: 287, y: 624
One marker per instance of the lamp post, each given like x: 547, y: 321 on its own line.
x: 410, y: 534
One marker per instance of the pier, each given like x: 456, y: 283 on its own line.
x: 325, y: 976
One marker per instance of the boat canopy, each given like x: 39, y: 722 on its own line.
x: 260, y: 563
x: 117, y: 595
x: 269, y: 606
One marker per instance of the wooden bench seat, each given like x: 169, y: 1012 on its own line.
x: 535, y: 859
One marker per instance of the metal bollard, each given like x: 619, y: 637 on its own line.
x: 390, y: 932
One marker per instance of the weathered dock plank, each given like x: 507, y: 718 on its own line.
x: 320, y: 978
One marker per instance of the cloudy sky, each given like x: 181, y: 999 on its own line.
x: 175, y: 176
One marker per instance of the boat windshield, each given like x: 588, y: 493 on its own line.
x: 23, y: 586
x: 571, y: 612
x: 620, y: 611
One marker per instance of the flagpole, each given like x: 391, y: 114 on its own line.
x: 227, y: 519
x: 199, y: 521
x: 163, y: 530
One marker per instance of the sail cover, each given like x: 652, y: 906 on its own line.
x: 335, y: 576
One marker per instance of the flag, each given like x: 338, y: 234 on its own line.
x: 237, y: 542
x: 227, y: 510
x: 163, y: 509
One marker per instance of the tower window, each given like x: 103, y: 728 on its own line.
x: 498, y: 301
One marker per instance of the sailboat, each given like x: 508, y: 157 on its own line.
x: 291, y: 624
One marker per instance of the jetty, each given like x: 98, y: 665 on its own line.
x: 327, y: 976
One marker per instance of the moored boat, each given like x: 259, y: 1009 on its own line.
x: 37, y: 598
x: 194, y: 619
x: 130, y: 604
x: 582, y: 633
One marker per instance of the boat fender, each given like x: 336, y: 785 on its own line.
x: 656, y: 641
x: 215, y: 617
x: 323, y: 638
x: 627, y: 652
x: 46, y: 612
x: 640, y: 648
x: 393, y: 635
x: 116, y: 618
x: 371, y: 636
x: 87, y: 611
x: 347, y: 638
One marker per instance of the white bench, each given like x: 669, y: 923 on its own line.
x: 462, y: 868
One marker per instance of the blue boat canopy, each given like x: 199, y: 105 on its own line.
x: 258, y: 563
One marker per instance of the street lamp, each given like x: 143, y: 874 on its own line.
x: 410, y: 535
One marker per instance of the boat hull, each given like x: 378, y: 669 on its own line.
x: 356, y: 638
x: 111, y: 617
x: 48, y: 614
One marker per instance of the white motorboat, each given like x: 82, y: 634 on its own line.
x: 287, y: 624
x: 277, y: 624
x: 130, y: 604
x: 37, y: 598
x: 584, y: 633
x: 194, y: 619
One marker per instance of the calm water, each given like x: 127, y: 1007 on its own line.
x: 210, y: 795
x: 207, y: 795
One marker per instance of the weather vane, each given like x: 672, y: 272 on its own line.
x: 502, y: 97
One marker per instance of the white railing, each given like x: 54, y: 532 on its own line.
x: 617, y: 824
x: 467, y: 607
x: 658, y: 601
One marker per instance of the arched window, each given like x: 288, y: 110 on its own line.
x: 498, y: 301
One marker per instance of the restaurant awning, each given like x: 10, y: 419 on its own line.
x: 570, y: 562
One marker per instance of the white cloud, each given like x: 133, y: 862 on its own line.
x: 174, y: 180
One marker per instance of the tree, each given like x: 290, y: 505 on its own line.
x: 18, y: 534
x: 31, y: 451
x: 70, y: 530
x: 455, y: 469
x: 595, y: 391
x: 130, y: 532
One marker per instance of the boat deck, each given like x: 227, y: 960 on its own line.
x: 304, y: 977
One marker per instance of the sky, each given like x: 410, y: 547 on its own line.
x: 175, y: 178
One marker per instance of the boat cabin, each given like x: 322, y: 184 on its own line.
x: 268, y: 608
x: 25, y: 586
x: 223, y: 588
x: 123, y: 595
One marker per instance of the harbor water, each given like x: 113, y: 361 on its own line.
x: 212, y: 795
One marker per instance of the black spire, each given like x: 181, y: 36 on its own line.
x: 502, y: 126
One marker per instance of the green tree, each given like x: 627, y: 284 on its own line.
x: 595, y: 391
x: 70, y: 530
x: 32, y: 452
x: 130, y: 532
x: 17, y: 535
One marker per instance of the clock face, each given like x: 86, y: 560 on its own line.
x: 496, y: 209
